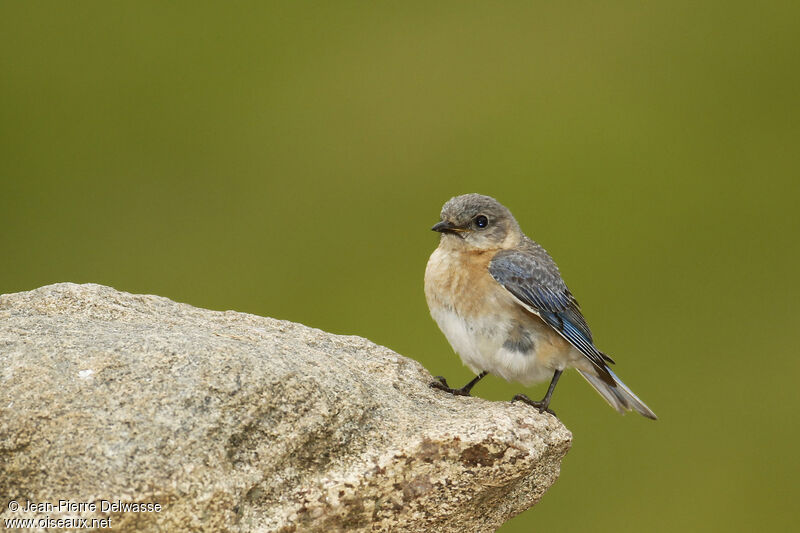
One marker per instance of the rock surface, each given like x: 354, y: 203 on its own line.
x: 234, y: 422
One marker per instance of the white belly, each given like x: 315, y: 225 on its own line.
x: 479, y: 343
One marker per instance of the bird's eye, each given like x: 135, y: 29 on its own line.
x: 481, y: 221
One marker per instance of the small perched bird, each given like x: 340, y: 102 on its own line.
x: 499, y: 299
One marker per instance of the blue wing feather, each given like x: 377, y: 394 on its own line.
x: 532, y: 277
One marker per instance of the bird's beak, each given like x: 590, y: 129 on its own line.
x: 445, y: 226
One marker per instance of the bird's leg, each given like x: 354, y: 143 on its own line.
x: 441, y: 384
x: 544, y: 404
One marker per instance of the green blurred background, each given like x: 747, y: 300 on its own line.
x: 289, y: 159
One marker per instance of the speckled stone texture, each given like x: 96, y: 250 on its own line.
x: 235, y: 422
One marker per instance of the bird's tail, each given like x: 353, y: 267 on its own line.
x: 620, y: 397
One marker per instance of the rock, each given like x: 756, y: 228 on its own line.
x: 234, y: 422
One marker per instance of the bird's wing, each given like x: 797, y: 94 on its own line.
x: 532, y: 277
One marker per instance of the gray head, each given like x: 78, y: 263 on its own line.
x: 478, y: 222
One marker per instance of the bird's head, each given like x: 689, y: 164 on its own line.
x: 477, y: 222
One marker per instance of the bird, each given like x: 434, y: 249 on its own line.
x: 503, y: 306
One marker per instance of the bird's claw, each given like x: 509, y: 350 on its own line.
x: 440, y: 380
x: 541, y: 406
x: 441, y: 384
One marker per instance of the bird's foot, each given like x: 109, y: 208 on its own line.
x: 541, y: 406
x: 441, y: 384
